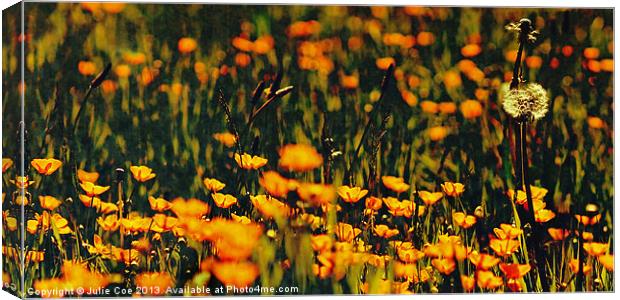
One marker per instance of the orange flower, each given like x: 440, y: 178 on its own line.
x: 142, y: 173
x: 504, y: 247
x: 430, y: 198
x: 46, y: 166
x: 351, y: 194
x: 159, y: 204
x: 223, y: 200
x: 113, y: 7
x: 349, y: 81
x: 134, y: 58
x: 607, y: 65
x: 452, y: 79
x: 270, y: 207
x: 447, y: 107
x: 468, y: 283
x: 437, y: 133
x: 585, y: 220
x: 187, y: 45
x: 409, y: 98
x: 6, y: 164
x: 463, y: 220
x: 87, y: 68
x: 154, y: 284
x: 242, y: 44
x: 109, y: 223
x: 125, y: 255
x: 226, y: 138
x: 507, y: 232
x: 444, y: 265
x: 92, y: 189
x: 384, y: 62
x: 316, y: 193
x: 122, y: 71
x: 49, y: 202
x: 346, y: 232
x: 452, y: 189
x: 277, y: 185
x: 190, y: 209
x: 163, y: 223
x: 238, y: 274
x: 90, y: 201
x: 213, y: 184
x: 544, y: 215
x: 591, y: 53
x: 373, y: 203
x: 385, y: 232
x: 235, y: 247
x: 514, y: 271
x: 108, y: 87
x: 487, y: 280
x: 425, y: 38
x: 429, y: 107
x: 471, y: 50
x: 595, y: 249
x: 299, y: 158
x: 596, y: 123
x: 607, y: 261
x: 301, y: 28
x: 249, y: 162
x: 537, y: 194
x: 11, y: 223
x: 483, y: 261
x: 411, y: 255
x: 471, y: 109
x: 575, y: 268
x: 98, y: 247
x: 558, y: 234
x: 242, y: 60
x: 84, y: 176
x: 396, y: 184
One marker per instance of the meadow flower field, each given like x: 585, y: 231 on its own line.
x: 191, y: 150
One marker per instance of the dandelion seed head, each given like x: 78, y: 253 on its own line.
x: 528, y: 101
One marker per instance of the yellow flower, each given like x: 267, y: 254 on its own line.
x: 223, y: 200
x: 191, y: 209
x: 277, y: 185
x: 159, y: 204
x: 452, y: 189
x: 46, y: 166
x: 299, y: 158
x: 6, y: 163
x: 84, y: 176
x: 395, y: 184
x: 93, y: 190
x: 488, y: 280
x: 430, y: 198
x: 249, y: 162
x: 544, y: 215
x: 351, y: 194
x: 213, y: 184
x: 109, y: 223
x: 463, y: 220
x: 163, y: 223
x: 507, y: 232
x: 142, y: 173
x: 270, y: 207
x: 607, y: 261
x: 585, y: 220
x: 49, y: 202
x: 537, y: 193
x: 471, y: 109
x: 346, y: 232
x: 558, y: 234
x: 90, y: 201
x: 321, y: 242
x: 11, y: 223
x: 595, y: 249
x: 483, y: 261
x: 444, y: 265
x: 504, y: 247
x: 22, y: 182
x: 385, y: 232
x: 241, y: 219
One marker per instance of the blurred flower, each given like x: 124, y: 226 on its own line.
x: 429, y: 107
x: 163, y: 223
x: 595, y: 249
x: 301, y: 28
x: 471, y: 109
x: 488, y: 280
x: 346, y: 232
x: 49, y: 202
x: 142, y: 173
x: 468, y: 283
x: 316, y: 193
x: 242, y: 44
x: 452, y: 79
x: 226, y: 138
x: 249, y: 162
x: 452, y: 189
x: 6, y: 164
x: 471, y: 50
x: 349, y: 81
x: 585, y: 220
x: 575, y: 267
x: 242, y: 60
x: 241, y: 219
x: 46, y: 166
x: 483, y: 261
x: 514, y: 271
x: 277, y: 185
x: 351, y: 194
x: 87, y: 68
x: 437, y: 133
x: 154, y: 284
x: 410, y: 255
x: 447, y: 108
x: 190, y: 209
x: 263, y: 44
x: 596, y: 123
x: 567, y: 51
x: 544, y: 215
x: 607, y: 65
x: 187, y: 45
x: 607, y: 261
x: 409, y: 98
x: 430, y: 198
x: 112, y: 7
x: 238, y: 274
x: 443, y: 265
x: 591, y: 53
x: 355, y: 43
x: 299, y: 158
x: 122, y: 71
x: 396, y: 184
x: 84, y: 176
x: 463, y: 220
x: 425, y: 38
x: 93, y: 190
x: 159, y: 204
x: 269, y: 207
x: 321, y: 242
x: 384, y: 62
x: 533, y: 62
x: 213, y: 184
x: 529, y: 100
x: 223, y: 200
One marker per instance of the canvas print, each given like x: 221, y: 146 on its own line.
x: 214, y: 149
